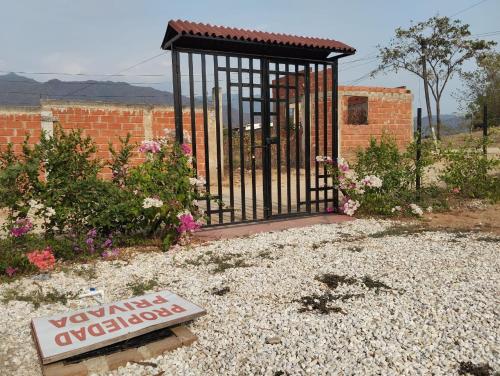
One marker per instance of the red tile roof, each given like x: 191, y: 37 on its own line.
x: 235, y: 34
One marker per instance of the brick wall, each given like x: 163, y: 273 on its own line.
x: 389, y: 112
x: 105, y: 123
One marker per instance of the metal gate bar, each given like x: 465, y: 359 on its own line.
x: 242, y: 140
x: 297, y: 145
x: 205, y: 132
x: 287, y: 119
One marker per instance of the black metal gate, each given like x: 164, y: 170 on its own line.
x: 256, y: 124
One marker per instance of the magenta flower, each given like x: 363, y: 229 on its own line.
x: 187, y: 223
x: 329, y: 210
x: 92, y: 233
x: 150, y: 147
x: 186, y: 149
x: 10, y: 271
x: 22, y: 227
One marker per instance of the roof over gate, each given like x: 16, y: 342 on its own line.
x: 206, y: 37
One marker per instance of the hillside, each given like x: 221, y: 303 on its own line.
x: 17, y: 90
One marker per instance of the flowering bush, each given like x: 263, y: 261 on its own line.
x: 55, y: 196
x: 354, y: 189
x: 169, y: 190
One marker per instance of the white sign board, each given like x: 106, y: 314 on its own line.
x: 64, y: 335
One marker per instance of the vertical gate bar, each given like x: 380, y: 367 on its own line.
x: 297, y: 141
x: 325, y: 132
x: 287, y: 125
x: 252, y: 139
x: 193, y: 113
x: 230, y: 135
x: 205, y: 133
x: 176, y: 81
x: 265, y: 134
x: 316, y: 134
x: 335, y: 125
x: 217, y: 135
x: 278, y: 136
x: 307, y: 128
x: 242, y: 144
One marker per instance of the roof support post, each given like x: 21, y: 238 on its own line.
x: 335, y: 125
x: 176, y: 77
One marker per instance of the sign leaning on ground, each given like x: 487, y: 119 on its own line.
x: 68, y: 334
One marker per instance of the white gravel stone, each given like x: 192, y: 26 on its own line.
x: 442, y: 307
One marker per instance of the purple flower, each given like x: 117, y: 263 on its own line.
x: 92, y: 233
x: 89, y: 241
x: 187, y: 223
x: 23, y: 226
x: 10, y: 271
x: 186, y: 149
x: 107, y: 243
x: 150, y: 147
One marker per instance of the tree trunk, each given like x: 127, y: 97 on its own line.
x: 438, y: 118
x: 426, y: 92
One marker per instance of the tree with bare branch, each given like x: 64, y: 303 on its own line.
x: 435, y: 50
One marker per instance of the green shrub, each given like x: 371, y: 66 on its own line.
x: 469, y: 172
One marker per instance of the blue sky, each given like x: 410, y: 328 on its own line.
x: 107, y: 36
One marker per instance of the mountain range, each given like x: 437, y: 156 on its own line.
x: 17, y: 90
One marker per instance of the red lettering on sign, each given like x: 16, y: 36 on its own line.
x: 112, y: 327
x: 78, y: 318
x: 142, y: 303
x: 159, y: 300
x: 129, y: 306
x: 177, y: 308
x: 114, y: 308
x: 148, y: 315
x: 79, y: 334
x: 134, y: 319
x: 59, y: 323
x: 163, y: 312
x: 98, y: 313
x: 63, y: 339
x: 96, y: 330
x: 123, y: 322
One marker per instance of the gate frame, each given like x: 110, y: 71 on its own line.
x: 266, y: 52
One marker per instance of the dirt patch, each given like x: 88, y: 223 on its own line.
x: 465, y: 218
x: 333, y: 280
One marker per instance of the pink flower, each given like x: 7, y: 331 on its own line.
x: 115, y: 252
x: 10, y: 271
x: 329, y: 210
x: 455, y: 190
x: 186, y: 149
x: 150, y: 147
x: 43, y: 260
x: 187, y: 223
x: 22, y: 227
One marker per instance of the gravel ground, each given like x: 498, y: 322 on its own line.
x: 377, y: 301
